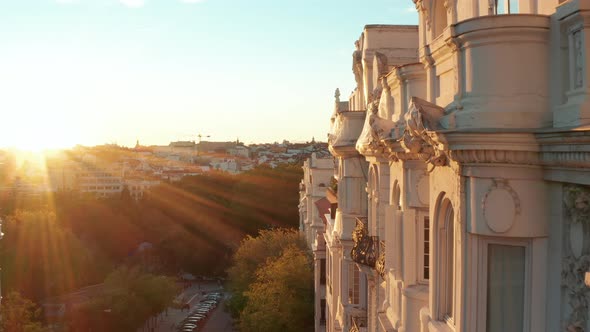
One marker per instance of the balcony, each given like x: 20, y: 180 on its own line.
x: 358, y: 324
x: 366, y: 248
x: 346, y: 128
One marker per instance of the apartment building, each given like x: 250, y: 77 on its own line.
x: 463, y: 172
x: 314, y: 210
x: 101, y: 181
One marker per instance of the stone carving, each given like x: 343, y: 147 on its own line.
x: 375, y: 129
x: 449, y: 5
x: 337, y: 95
x: 421, y: 121
x: 577, y: 212
x: 579, y: 59
x: 491, y: 7
x: 380, y: 264
x: 500, y: 206
x: 381, y: 63
x: 375, y: 97
x: 357, y: 64
x: 335, y: 130
x: 421, y: 7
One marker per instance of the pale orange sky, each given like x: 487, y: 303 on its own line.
x: 113, y: 71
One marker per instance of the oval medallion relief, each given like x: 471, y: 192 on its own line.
x: 499, y: 209
x: 423, y: 188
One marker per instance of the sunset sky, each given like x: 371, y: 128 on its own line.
x: 113, y: 71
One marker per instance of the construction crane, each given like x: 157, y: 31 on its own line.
x: 200, y: 138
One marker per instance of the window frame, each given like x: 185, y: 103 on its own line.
x: 354, y: 284
x: 422, y: 215
x: 482, y: 295
x: 444, y: 288
x: 323, y: 271
x: 508, y: 7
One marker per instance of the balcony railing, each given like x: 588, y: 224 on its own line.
x: 380, y: 265
x: 366, y: 248
x: 358, y: 324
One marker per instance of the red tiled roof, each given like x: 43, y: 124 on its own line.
x: 323, y: 205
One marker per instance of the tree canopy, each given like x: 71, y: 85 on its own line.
x: 19, y: 314
x: 281, y: 298
x: 251, y: 255
x: 271, y: 281
x: 130, y: 297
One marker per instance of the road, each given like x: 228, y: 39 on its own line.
x: 219, y: 321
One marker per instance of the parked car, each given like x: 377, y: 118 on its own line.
x: 191, y: 321
x: 186, y: 329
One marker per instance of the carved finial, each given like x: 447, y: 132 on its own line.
x: 337, y: 95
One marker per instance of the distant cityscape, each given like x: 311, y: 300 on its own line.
x: 107, y: 170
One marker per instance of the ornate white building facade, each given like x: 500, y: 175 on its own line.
x: 463, y: 173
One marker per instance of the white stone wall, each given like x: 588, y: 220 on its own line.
x: 486, y: 142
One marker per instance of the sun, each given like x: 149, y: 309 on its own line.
x: 39, y: 134
x: 45, y: 144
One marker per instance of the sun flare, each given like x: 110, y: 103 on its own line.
x: 39, y: 134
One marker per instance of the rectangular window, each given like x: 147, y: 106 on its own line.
x: 423, y: 247
x: 322, y: 271
x: 322, y: 312
x: 505, y: 288
x: 506, y: 7
x: 329, y: 271
x: 426, y: 248
x: 353, y: 284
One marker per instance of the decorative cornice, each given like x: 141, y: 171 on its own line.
x: 579, y: 159
x: 489, y: 156
x: 566, y: 148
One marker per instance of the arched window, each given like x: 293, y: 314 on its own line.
x: 445, y: 237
